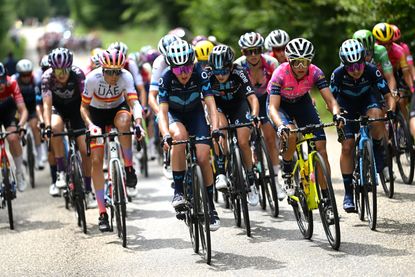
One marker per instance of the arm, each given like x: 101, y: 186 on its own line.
x: 21, y: 108
x: 152, y: 101
x: 254, y: 104
x: 390, y: 78
x: 85, y: 114
x: 164, y: 119
x: 331, y: 102
x: 274, y: 105
x: 213, y: 116
x: 47, y: 109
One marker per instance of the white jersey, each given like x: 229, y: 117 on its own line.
x: 159, y: 65
x: 99, y: 94
x: 133, y: 68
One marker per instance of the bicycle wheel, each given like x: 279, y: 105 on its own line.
x: 119, y: 202
x: 79, y: 194
x: 405, y: 155
x: 260, y: 174
x: 8, y: 193
x: 190, y: 218
x: 241, y: 185
x: 232, y: 195
x: 327, y: 206
x: 269, y: 181
x: 203, y: 217
x: 144, y: 159
x: 30, y: 160
x: 388, y: 185
x: 303, y: 215
x: 369, y: 184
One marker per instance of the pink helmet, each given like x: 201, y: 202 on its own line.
x: 396, y: 33
x: 113, y: 59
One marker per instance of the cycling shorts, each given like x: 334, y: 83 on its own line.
x: 105, y: 117
x: 8, y: 113
x: 238, y: 113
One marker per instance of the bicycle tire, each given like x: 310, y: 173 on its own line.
x: 30, y: 160
x: 190, y: 219
x: 388, y: 186
x: 259, y: 157
x: 119, y: 202
x: 232, y: 194
x: 369, y: 184
x: 79, y: 194
x: 8, y: 193
x: 203, y: 215
x: 241, y: 186
x: 144, y: 159
x: 269, y: 184
x: 331, y: 226
x: 303, y: 215
x: 404, y: 145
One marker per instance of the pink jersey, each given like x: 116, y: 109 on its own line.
x: 284, y: 83
x: 407, y: 52
x: 397, y: 57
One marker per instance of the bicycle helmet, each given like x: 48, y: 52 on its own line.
x: 383, y: 32
x: 299, y: 48
x: 24, y: 66
x: 119, y: 46
x: 3, y: 72
x: 180, y: 52
x: 44, y: 62
x: 112, y: 59
x: 95, y: 53
x: 366, y: 38
x: 396, y: 33
x: 251, y: 40
x: 151, y: 55
x: 164, y: 43
x: 221, y: 56
x: 277, y: 38
x: 202, y: 50
x: 351, y: 51
x: 197, y: 39
x: 60, y: 58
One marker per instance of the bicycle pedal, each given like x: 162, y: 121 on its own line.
x: 180, y: 216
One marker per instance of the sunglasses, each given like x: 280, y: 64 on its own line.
x: 355, y: 67
x: 222, y: 71
x: 112, y: 72
x: 61, y: 71
x: 297, y: 63
x: 177, y: 70
x: 278, y: 49
x: 249, y: 52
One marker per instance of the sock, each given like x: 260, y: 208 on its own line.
x: 287, y: 167
x: 18, y: 162
x: 99, y: 194
x: 347, y: 181
x: 379, y: 154
x: 210, y: 197
x: 128, y: 157
x: 178, y: 177
x: 60, y: 164
x: 53, y: 170
x: 87, y: 183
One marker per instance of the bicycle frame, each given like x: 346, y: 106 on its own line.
x: 364, y: 137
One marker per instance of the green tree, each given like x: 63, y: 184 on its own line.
x: 39, y: 9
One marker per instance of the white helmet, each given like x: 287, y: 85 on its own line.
x: 351, y: 51
x: 251, y: 40
x: 164, y: 43
x: 299, y: 48
x: 277, y: 38
x: 180, y: 52
x: 24, y: 66
x: 121, y: 46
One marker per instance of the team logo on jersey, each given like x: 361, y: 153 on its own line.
x: 378, y: 74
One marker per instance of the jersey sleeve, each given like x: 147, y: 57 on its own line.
x: 156, y: 73
x: 335, y: 81
x: 45, y: 83
x: 80, y: 78
x: 133, y: 68
x: 319, y: 79
x: 15, y: 91
x: 380, y: 82
x: 163, y: 88
x: 205, y: 84
x: 384, y: 61
x: 129, y: 86
x: 246, y: 83
x: 88, y: 91
x: 275, y: 83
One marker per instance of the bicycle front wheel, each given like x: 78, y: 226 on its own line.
x: 79, y: 194
x: 388, y: 184
x: 241, y: 185
x: 119, y: 202
x: 8, y: 193
x: 190, y: 214
x: 269, y: 181
x: 203, y: 217
x: 369, y: 184
x: 405, y: 155
x: 30, y: 160
x: 327, y: 205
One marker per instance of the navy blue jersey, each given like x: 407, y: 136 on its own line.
x: 184, y: 98
x: 235, y: 89
x: 342, y: 84
x: 29, y: 90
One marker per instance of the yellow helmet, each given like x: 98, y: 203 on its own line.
x: 383, y: 32
x: 203, y: 49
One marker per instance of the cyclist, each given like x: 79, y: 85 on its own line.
x: 159, y: 65
x: 276, y: 42
x: 383, y: 33
x: 108, y: 96
x: 62, y: 86
x: 202, y: 49
x: 93, y: 60
x: 352, y: 85
x: 11, y: 100
x: 29, y: 91
x: 260, y: 68
x: 378, y: 55
x: 235, y: 99
x: 397, y: 39
x: 182, y: 114
x: 290, y: 100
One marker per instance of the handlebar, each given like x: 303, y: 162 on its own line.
x: 111, y: 134
x: 312, y: 127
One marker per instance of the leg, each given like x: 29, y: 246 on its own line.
x: 377, y: 132
x: 16, y: 151
x: 58, y: 149
x: 346, y: 167
x: 178, y: 161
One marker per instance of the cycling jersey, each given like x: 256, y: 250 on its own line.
x: 269, y: 64
x: 381, y: 60
x: 284, y: 83
x: 397, y: 57
x: 29, y: 92
x: 184, y: 98
x: 64, y: 96
x: 132, y: 67
x: 407, y: 52
x: 236, y: 89
x: 342, y: 84
x: 99, y: 94
x: 11, y: 90
x: 159, y: 66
